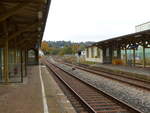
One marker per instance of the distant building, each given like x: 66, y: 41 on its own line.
x: 94, y: 54
x: 80, y: 54
x: 142, y: 27
x: 41, y: 52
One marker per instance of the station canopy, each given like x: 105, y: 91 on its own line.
x: 129, y: 41
x: 23, y: 22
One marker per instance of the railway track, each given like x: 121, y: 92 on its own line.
x: 92, y: 99
x: 76, y: 103
x: 122, y: 78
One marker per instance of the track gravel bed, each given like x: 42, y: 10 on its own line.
x: 134, y: 96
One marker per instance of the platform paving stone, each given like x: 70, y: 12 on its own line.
x: 56, y: 100
x: 22, y: 98
x: 27, y: 97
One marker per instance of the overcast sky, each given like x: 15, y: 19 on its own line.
x: 94, y: 20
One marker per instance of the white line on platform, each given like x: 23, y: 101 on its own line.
x: 43, y: 93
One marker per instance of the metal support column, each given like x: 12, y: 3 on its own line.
x: 1, y: 74
x: 26, y: 62
x: 118, y: 53
x: 126, y: 59
x: 134, y: 57
x: 6, y: 73
x: 144, y: 62
x: 5, y: 53
x: 15, y: 61
x: 15, y: 55
x: 21, y: 65
x: 37, y: 56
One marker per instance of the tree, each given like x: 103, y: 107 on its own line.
x: 45, y: 47
x: 67, y: 50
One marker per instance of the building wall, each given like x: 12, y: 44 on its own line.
x: 90, y: 52
x: 142, y: 27
x: 104, y: 55
x: 94, y: 54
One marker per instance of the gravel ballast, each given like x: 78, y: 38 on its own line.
x: 132, y: 95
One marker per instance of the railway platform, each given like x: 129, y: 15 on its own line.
x: 127, y: 69
x: 32, y: 97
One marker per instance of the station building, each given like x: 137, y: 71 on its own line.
x: 22, y: 23
x: 131, y: 49
x: 94, y: 54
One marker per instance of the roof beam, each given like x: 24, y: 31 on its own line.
x: 28, y: 44
x: 24, y: 1
x: 23, y: 30
x: 12, y: 11
x: 29, y: 38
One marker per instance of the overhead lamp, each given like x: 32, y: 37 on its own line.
x: 40, y: 14
x: 118, y: 39
x: 39, y: 29
x: 136, y: 36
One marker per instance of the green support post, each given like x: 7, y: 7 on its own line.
x: 126, y: 59
x: 6, y: 73
x: 134, y: 57
x: 144, y: 63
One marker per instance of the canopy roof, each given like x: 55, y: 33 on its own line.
x: 23, y: 22
x: 138, y: 38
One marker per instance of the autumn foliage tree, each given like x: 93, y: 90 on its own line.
x: 61, y: 47
x: 45, y: 47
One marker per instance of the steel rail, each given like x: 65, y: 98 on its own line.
x: 129, y: 80
x: 83, y: 102
x: 108, y: 95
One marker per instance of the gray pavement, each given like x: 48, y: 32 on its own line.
x: 27, y: 97
x: 130, y: 69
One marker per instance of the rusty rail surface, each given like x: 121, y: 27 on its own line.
x: 126, y: 79
x: 94, y: 100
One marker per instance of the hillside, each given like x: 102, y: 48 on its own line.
x: 61, y: 44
